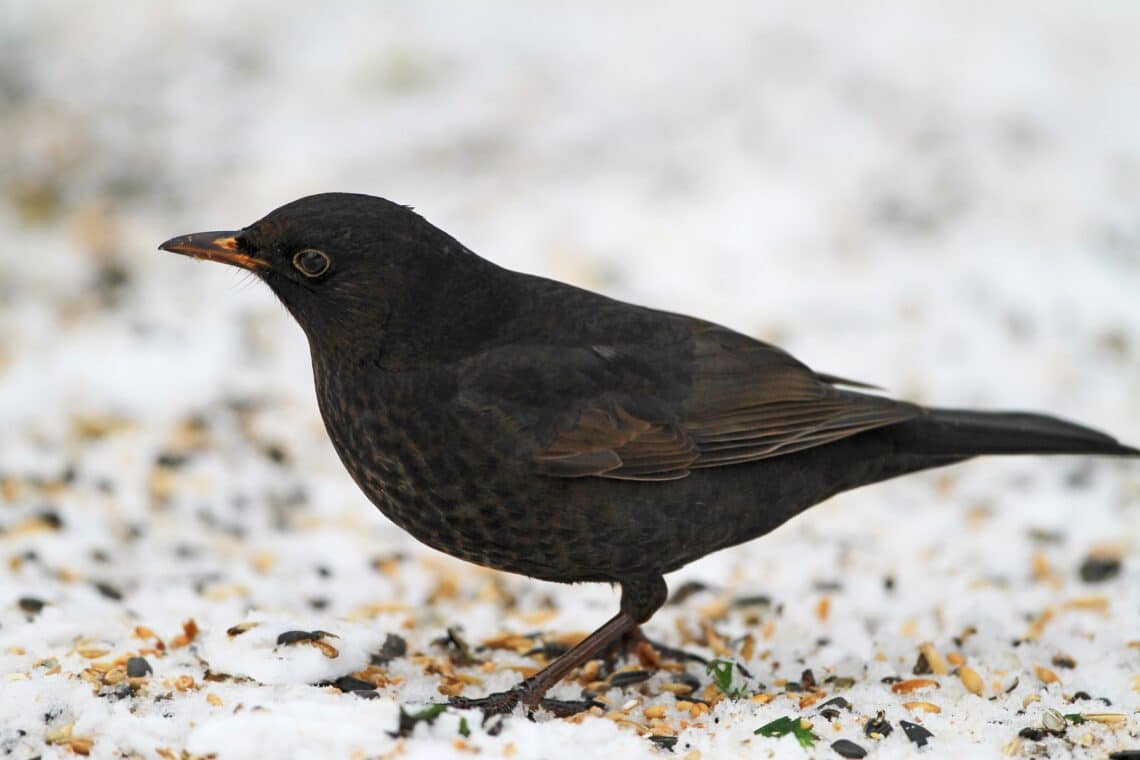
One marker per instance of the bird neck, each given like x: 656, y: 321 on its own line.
x: 439, y: 311
x: 443, y: 315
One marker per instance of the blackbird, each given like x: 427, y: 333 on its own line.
x: 538, y: 428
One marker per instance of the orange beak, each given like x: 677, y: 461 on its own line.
x: 213, y: 246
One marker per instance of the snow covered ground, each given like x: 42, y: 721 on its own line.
x: 943, y: 199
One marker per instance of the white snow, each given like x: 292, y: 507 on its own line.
x: 941, y: 199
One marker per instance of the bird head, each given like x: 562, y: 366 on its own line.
x: 350, y: 268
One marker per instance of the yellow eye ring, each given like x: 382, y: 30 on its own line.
x: 311, y: 262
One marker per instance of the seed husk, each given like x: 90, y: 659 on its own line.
x: 913, y: 684
x: 929, y: 707
x: 971, y: 680
x: 878, y: 727
x: 916, y: 733
x: 935, y: 660
x: 1053, y: 721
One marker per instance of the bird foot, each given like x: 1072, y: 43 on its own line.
x: 504, y: 702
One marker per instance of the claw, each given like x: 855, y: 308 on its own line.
x: 505, y: 702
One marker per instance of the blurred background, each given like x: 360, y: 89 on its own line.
x: 881, y: 187
x: 942, y: 199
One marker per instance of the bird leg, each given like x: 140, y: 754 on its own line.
x: 530, y: 691
x: 640, y: 598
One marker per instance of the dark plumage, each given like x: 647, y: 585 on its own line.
x: 537, y: 428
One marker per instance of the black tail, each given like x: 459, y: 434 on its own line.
x: 959, y: 433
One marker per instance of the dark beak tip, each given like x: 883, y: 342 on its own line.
x: 182, y: 243
x: 213, y: 246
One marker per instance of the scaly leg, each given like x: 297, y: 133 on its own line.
x: 639, y: 600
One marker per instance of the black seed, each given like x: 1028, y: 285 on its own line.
x: 109, y: 591
x: 137, y: 667
x: 52, y: 518
x: 31, y: 604
x: 121, y: 691
x: 494, y: 725
x: 839, y: 702
x: 629, y: 678
x: 549, y: 649
x: 1097, y: 569
x: 915, y: 732
x: 878, y: 725
x: 921, y: 666
x: 756, y: 600
x: 348, y: 683
x: 1031, y: 733
x: 318, y: 603
x: 807, y: 678
x: 848, y: 748
x: 276, y: 453
x: 889, y: 583
x: 324, y: 571
x: 1078, y: 479
x: 829, y: 713
x: 292, y: 637
x: 1125, y: 754
x: 1043, y: 536
x: 665, y: 742
x: 688, y: 679
x: 394, y: 646
x: 460, y: 649
x: 171, y: 459
x: 1064, y: 661
x: 890, y: 679
x: 685, y: 590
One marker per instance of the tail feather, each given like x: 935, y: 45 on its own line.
x: 959, y: 433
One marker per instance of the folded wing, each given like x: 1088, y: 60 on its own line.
x: 634, y: 412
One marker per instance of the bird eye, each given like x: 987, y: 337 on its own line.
x: 311, y: 262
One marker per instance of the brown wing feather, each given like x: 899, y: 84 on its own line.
x: 616, y: 444
x: 747, y: 401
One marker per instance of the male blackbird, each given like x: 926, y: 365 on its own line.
x: 541, y: 429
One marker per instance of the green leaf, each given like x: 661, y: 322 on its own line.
x: 788, y: 725
x: 408, y: 720
x: 721, y: 672
x: 464, y: 729
x: 1075, y: 718
x: 431, y: 712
